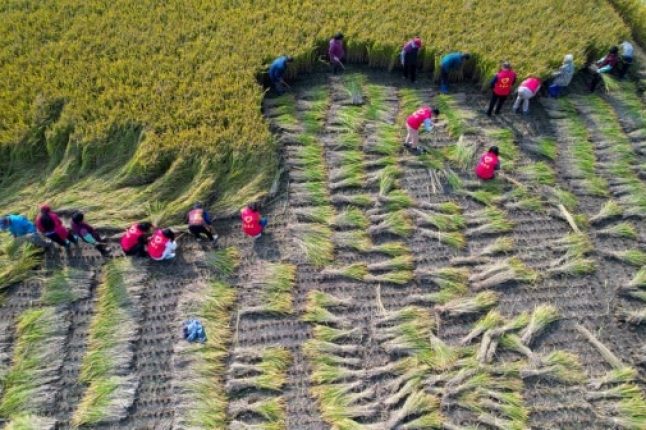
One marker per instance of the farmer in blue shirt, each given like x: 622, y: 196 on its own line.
x: 20, y: 227
x: 276, y: 72
x: 450, y: 63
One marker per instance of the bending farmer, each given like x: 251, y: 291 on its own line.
x: 50, y: 225
x: 199, y: 223
x: 87, y: 234
x: 425, y: 116
x: 162, y: 245
x: 451, y: 62
x: 20, y: 227
x: 133, y: 242
x: 408, y: 57
x: 562, y: 77
x: 336, y: 53
x: 488, y: 164
x: 527, y: 90
x: 253, y: 224
x: 277, y: 71
x: 605, y: 65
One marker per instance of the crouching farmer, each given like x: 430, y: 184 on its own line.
x: 133, y: 242
x: 253, y: 224
x: 488, y: 164
x: 162, y: 245
x: 21, y: 228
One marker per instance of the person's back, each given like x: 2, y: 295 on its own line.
x: 505, y: 79
x: 566, y: 72
x: 336, y: 50
x: 132, y: 237
x: 452, y: 60
x: 417, y: 118
x: 161, y: 245
x: 532, y: 83
x: 278, y: 67
x: 197, y: 217
x: 251, y: 221
x: 488, y: 164
x: 19, y: 225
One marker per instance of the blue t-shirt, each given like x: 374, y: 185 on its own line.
x: 20, y: 226
x: 277, y: 68
x: 451, y: 61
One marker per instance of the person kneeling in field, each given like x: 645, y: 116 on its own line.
x: 87, y: 234
x: 488, y: 164
x: 199, y: 223
x: 527, y: 90
x: 253, y: 224
x: 421, y: 116
x: 501, y: 86
x: 50, y: 225
x: 607, y: 64
x: 21, y: 228
x: 133, y: 242
x: 277, y: 71
x: 562, y: 77
x: 162, y: 245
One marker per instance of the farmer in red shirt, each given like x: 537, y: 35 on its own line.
x: 253, y: 224
x: 133, y: 242
x: 501, y: 86
x: 50, y: 225
x: 488, y: 164
x: 425, y: 116
x: 162, y: 245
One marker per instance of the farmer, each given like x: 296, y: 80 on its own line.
x: 277, y: 71
x: 133, y: 242
x: 562, y: 77
x: 527, y: 90
x: 50, y: 225
x: 424, y: 116
x: 501, y: 86
x: 199, y: 223
x: 451, y: 62
x: 253, y: 224
x: 488, y: 164
x: 162, y: 245
x: 336, y: 53
x: 408, y: 57
x: 87, y: 234
x: 20, y: 227
x: 605, y: 65
x: 627, y: 50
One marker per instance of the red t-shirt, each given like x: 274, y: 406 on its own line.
x: 250, y: 222
x: 487, y: 166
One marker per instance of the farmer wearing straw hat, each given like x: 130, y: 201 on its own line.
x: 451, y: 62
x: 562, y: 77
x: 501, y: 86
x: 424, y: 116
x: 277, y: 70
x: 526, y: 91
x: 605, y: 65
x: 336, y: 53
x: 408, y: 57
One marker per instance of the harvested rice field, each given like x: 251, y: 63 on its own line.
x: 392, y: 291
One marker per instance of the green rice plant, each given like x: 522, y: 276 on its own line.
x: 610, y: 83
x: 347, y: 176
x: 17, y: 260
x: 615, y: 376
x: 575, y: 266
x: 357, y: 240
x: 316, y: 299
x: 401, y: 277
x: 392, y: 249
x: 623, y: 391
x: 492, y: 221
x: 455, y: 124
x: 31, y: 357
x: 565, y: 198
x: 96, y: 402
x: 488, y: 322
x: 501, y: 245
x: 485, y: 197
x: 286, y: 111
x: 624, y: 230
x: 313, y: 118
x: 541, y: 173
x: 403, y: 262
x: 397, y: 223
x: 634, y: 257
x: 351, y: 218
x: 225, y: 261
x: 547, y: 147
x: 349, y: 141
x: 396, y: 200
x: 469, y: 305
x: 560, y: 365
x: 610, y: 209
x: 388, y: 141
x: 353, y: 84
x: 356, y: 271
x: 509, y: 270
x: 440, y: 221
x: 350, y: 117
x: 639, y: 280
x: 316, y: 243
x: 542, y: 316
x: 450, y: 208
x: 388, y: 179
x: 316, y: 214
x: 30, y: 422
x: 277, y: 289
x: 331, y: 334
x: 376, y: 102
x: 270, y: 373
x: 454, y: 181
x: 462, y: 154
x: 360, y: 200
x: 454, y: 239
x: 574, y: 245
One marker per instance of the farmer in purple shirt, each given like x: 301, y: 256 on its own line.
x: 336, y: 53
x: 87, y: 234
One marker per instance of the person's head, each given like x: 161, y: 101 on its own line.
x: 418, y: 41
x: 614, y: 50
x: 494, y: 149
x: 435, y: 111
x: 466, y: 56
x: 45, y: 208
x: 77, y: 217
x: 290, y: 58
x: 569, y: 58
x: 506, y: 65
x: 338, y: 36
x: 170, y: 234
x: 254, y: 206
x: 145, y: 226
x: 197, y: 205
x: 4, y: 223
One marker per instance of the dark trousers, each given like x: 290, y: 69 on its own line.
x: 596, y: 78
x: 199, y: 230
x: 62, y: 241
x: 444, y: 77
x: 410, y: 67
x: 137, y: 250
x: 624, y: 66
x: 496, y: 101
